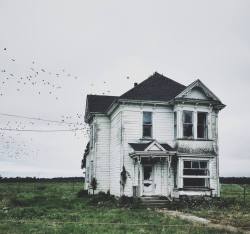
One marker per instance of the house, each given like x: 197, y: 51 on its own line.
x: 159, y: 138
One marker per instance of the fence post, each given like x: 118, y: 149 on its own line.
x: 244, y: 194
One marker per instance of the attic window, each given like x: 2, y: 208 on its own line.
x: 147, y: 124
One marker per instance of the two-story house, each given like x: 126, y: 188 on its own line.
x: 162, y: 134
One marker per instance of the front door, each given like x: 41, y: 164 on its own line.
x: 148, y: 180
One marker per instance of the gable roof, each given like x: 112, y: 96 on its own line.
x: 144, y: 146
x: 98, y: 103
x: 156, y: 88
x: 199, y: 84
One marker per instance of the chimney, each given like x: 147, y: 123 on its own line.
x: 135, y: 84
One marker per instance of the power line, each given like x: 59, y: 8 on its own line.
x: 36, y: 118
x: 37, y: 130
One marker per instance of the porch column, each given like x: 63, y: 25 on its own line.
x: 139, y: 177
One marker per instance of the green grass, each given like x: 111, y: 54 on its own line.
x: 53, y: 207
x: 229, y: 209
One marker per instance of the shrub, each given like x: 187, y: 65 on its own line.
x: 82, y: 193
x: 103, y: 199
x: 129, y: 202
x: 93, y: 184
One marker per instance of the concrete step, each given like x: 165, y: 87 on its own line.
x: 154, y: 201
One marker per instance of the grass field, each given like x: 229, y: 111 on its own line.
x: 54, y: 207
x: 233, y: 209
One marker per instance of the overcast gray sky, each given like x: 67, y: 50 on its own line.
x: 81, y: 47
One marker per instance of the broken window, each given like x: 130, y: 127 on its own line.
x: 195, y: 173
x: 147, y: 124
x: 188, y: 124
x: 202, y: 125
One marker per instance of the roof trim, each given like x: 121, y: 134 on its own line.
x: 198, y: 83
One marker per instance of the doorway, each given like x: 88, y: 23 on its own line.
x: 148, y: 180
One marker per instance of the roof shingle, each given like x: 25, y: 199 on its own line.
x: 156, y: 88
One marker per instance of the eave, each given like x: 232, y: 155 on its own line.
x: 152, y: 154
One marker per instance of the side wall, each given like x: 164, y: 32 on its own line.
x: 97, y: 163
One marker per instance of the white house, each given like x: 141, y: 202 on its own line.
x: 165, y: 135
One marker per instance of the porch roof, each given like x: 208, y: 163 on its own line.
x: 152, y: 149
x: 143, y: 146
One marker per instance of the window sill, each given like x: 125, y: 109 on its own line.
x: 192, y: 139
x: 195, y: 189
x: 146, y: 139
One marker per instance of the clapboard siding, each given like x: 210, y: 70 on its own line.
x: 115, y: 152
x: 102, y: 153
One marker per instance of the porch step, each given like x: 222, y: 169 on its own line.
x: 154, y: 202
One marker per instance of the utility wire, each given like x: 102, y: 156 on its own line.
x: 35, y: 118
x: 37, y: 130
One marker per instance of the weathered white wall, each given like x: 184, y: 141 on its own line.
x: 115, y: 152
x: 102, y: 153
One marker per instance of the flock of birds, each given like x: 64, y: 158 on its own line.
x: 36, y: 76
x: 44, y: 82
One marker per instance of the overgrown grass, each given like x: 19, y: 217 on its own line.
x: 56, y: 207
x: 230, y: 208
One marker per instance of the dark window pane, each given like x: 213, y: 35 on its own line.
x: 187, y: 164
x: 147, y: 130
x: 147, y: 118
x: 195, y: 164
x: 187, y: 130
x: 202, y: 125
x: 196, y: 172
x: 201, y: 118
x: 194, y: 182
x: 201, y: 131
x: 203, y: 164
x: 187, y: 117
x: 147, y: 172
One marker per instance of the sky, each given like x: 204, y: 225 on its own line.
x: 66, y: 49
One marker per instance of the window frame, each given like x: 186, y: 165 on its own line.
x: 187, y: 124
x: 205, y: 177
x: 204, y: 125
x: 147, y: 125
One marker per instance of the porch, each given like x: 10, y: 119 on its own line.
x: 154, y: 169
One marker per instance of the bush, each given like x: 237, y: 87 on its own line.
x: 129, y: 202
x: 201, y: 202
x: 103, y: 199
x: 82, y: 193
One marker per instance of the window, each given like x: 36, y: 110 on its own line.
x: 147, y: 124
x: 188, y: 124
x: 175, y: 125
x: 202, y: 125
x: 195, y: 173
